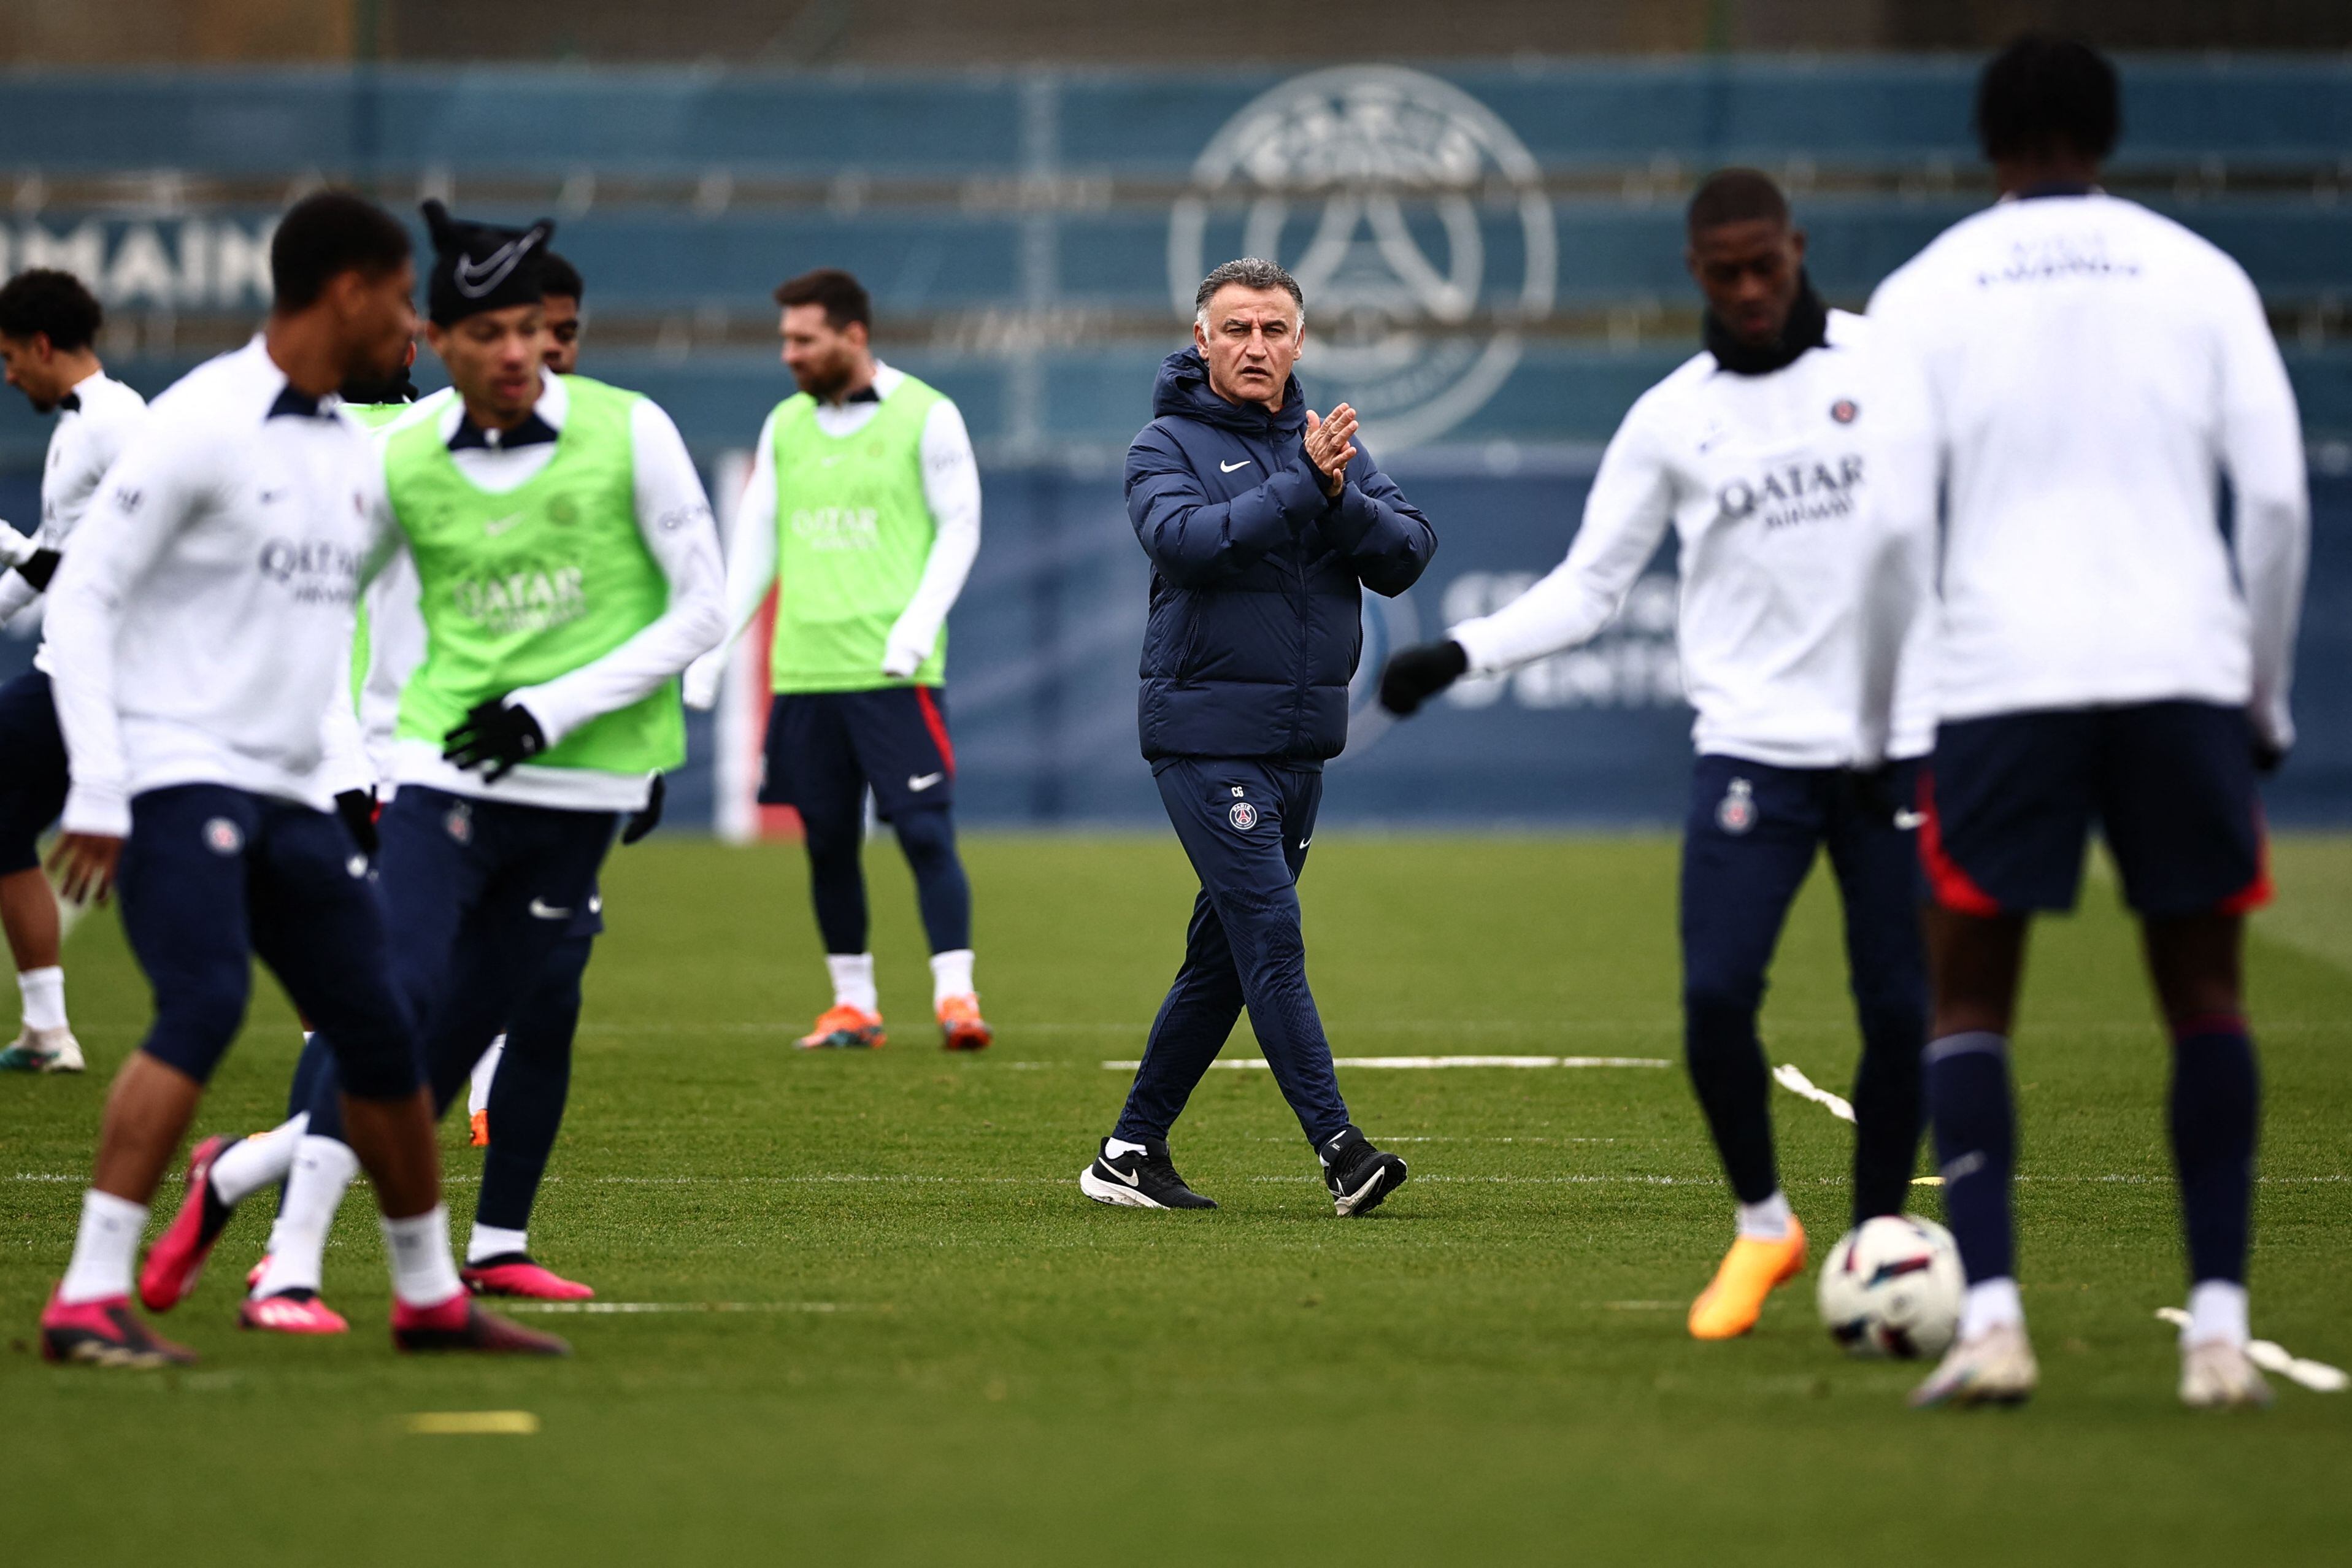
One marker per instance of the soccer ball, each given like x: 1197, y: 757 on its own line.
x: 1892, y: 1286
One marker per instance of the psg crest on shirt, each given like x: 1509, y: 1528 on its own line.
x: 1737, y: 812
x: 1243, y: 816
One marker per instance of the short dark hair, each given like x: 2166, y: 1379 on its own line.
x: 2042, y: 96
x: 326, y: 235
x: 843, y: 296
x: 56, y: 304
x: 557, y: 275
x: 1736, y: 196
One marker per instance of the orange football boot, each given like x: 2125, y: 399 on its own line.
x: 962, y: 1028
x: 1734, y: 1299
x: 843, y: 1028
x: 479, y: 1137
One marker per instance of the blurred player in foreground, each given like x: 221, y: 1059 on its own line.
x: 864, y: 511
x: 202, y: 624
x: 1263, y: 525
x: 567, y: 570
x: 1790, y: 459
x: 2106, y: 656
x: 48, y: 335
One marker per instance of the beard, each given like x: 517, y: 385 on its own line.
x: 824, y: 382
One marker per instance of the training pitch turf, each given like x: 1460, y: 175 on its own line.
x: 932, y: 1349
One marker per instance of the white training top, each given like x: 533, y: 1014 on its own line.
x: 202, y: 622
x: 93, y: 425
x: 673, y: 518
x: 2094, y: 370
x: 1803, y: 506
x: 950, y: 489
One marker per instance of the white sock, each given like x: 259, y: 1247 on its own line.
x: 45, y: 998
x: 1767, y: 1221
x: 1991, y: 1304
x: 104, y: 1248
x: 245, y: 1168
x: 477, y: 1099
x: 2217, y: 1313
x: 853, y: 981
x: 423, y: 1274
x: 490, y: 1241
x: 951, y: 976
x: 322, y: 1171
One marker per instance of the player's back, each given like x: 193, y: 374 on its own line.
x: 2094, y: 367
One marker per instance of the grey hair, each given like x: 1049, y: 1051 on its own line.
x: 1249, y: 272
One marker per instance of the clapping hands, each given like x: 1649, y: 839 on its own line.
x: 1330, y: 445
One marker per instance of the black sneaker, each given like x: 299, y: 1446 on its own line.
x: 1359, y: 1175
x: 1138, y: 1176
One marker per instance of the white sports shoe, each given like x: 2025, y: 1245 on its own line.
x: 2218, y: 1375
x: 1997, y: 1367
x: 43, y: 1051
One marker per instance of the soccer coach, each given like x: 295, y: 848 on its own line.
x: 1263, y: 525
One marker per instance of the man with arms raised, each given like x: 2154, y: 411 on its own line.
x: 203, y: 627
x: 1789, y: 459
x: 2106, y: 655
x: 1263, y: 525
x: 48, y: 333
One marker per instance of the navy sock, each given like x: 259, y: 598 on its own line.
x: 1976, y: 1146
x: 941, y: 890
x: 1887, y: 1110
x: 837, y: 887
x: 2216, y: 1106
x: 527, y: 1095
x: 1727, y: 1069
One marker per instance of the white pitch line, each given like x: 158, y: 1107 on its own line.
x: 1789, y: 1075
x: 2271, y: 1356
x: 1259, y: 1064
x: 627, y: 1308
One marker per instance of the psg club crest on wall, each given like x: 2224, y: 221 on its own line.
x: 1843, y: 410
x: 1243, y: 816
x: 1415, y: 219
x: 1736, y: 814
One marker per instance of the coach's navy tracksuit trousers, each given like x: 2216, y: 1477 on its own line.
x: 1245, y: 826
x: 1751, y: 837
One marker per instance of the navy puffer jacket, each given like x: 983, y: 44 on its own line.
x: 1255, y: 601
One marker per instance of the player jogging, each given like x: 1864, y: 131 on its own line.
x: 1263, y: 525
x: 567, y: 569
x: 864, y: 510
x: 2106, y: 656
x: 202, y: 624
x: 1788, y: 460
x: 48, y: 330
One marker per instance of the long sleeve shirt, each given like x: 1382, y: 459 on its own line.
x: 674, y: 520
x: 2093, y: 370
x: 94, y: 422
x: 201, y: 624
x: 1804, y: 507
x: 950, y: 490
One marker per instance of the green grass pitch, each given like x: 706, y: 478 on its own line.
x: 956, y: 1359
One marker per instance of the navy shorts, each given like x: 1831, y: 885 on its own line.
x: 213, y: 877
x: 2009, y: 801
x: 826, y: 749
x: 32, y: 769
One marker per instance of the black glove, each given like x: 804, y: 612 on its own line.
x: 494, y: 737
x: 38, y: 568
x: 2268, y: 759
x: 1415, y: 675
x: 647, y: 818
x: 357, y: 808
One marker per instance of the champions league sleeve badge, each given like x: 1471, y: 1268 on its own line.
x: 1736, y: 813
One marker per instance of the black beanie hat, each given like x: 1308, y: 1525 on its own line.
x: 481, y: 267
